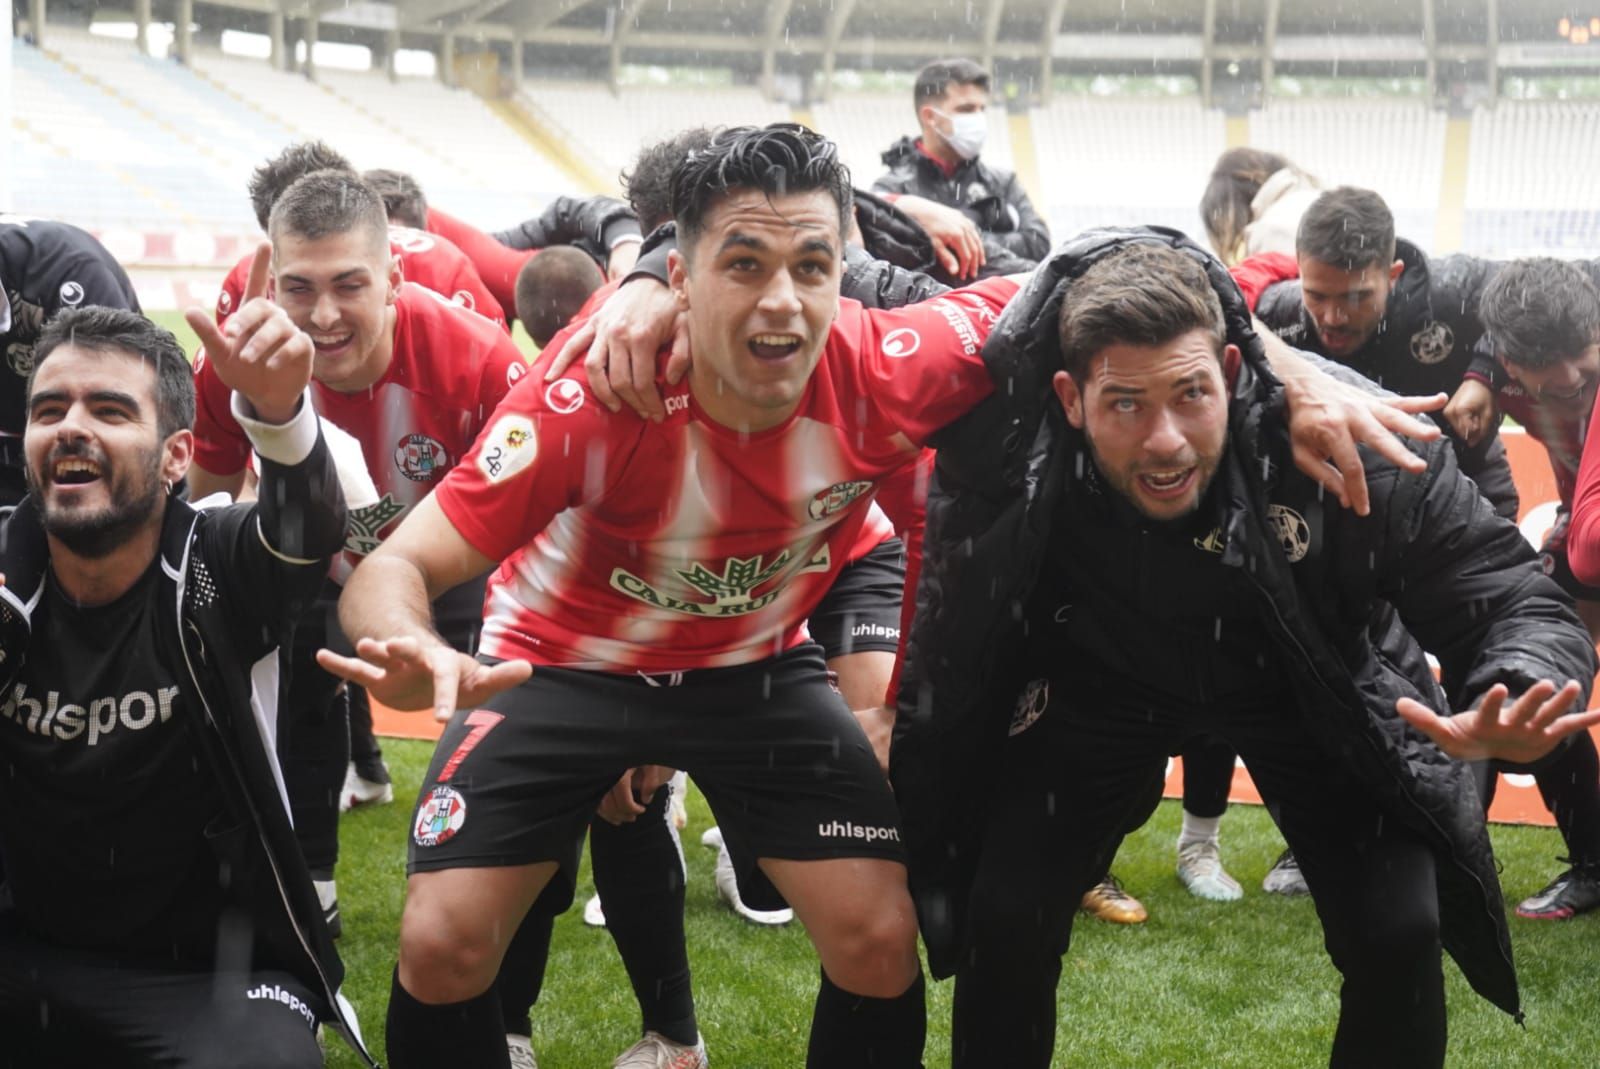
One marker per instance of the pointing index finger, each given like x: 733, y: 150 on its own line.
x: 257, y: 284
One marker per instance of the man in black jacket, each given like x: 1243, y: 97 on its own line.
x: 943, y: 165
x: 1104, y: 576
x: 161, y: 912
x: 45, y: 267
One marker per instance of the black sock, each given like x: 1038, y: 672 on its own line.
x: 639, y: 876
x: 455, y: 1033
x: 1570, y: 786
x: 849, y: 1031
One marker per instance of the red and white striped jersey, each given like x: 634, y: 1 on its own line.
x: 429, y: 260
x: 629, y: 545
x: 451, y: 367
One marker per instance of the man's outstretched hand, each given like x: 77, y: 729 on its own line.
x: 404, y: 674
x: 1523, y: 731
x: 259, y: 353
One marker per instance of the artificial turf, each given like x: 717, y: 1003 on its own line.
x: 1201, y: 984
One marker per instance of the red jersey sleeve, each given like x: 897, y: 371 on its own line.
x: 923, y: 364
x: 1254, y: 275
x: 498, y: 265
x: 548, y: 447
x: 220, y: 445
x: 1583, y: 533
x: 232, y: 292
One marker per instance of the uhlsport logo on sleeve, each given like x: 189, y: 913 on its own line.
x: 564, y: 396
x: 439, y: 817
x: 510, y: 447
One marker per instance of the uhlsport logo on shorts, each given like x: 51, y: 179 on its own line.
x: 439, y: 817
x: 843, y: 829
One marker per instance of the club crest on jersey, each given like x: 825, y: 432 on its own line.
x: 564, y: 396
x: 1293, y: 532
x: 510, y: 447
x: 439, y: 817
x: 361, y: 530
x: 838, y: 496
x: 1432, y: 343
x: 732, y: 590
x: 421, y: 458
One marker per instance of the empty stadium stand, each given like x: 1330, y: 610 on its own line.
x: 1533, y: 180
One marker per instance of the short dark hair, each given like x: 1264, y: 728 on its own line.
x: 403, y: 200
x: 1237, y: 177
x: 1142, y: 294
x: 268, y: 181
x: 1540, y: 311
x: 934, y: 80
x: 106, y: 330
x: 778, y: 159
x: 649, y: 185
x: 1348, y: 228
x: 551, y: 288
x: 329, y: 202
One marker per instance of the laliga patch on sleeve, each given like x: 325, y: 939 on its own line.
x: 439, y: 817
x: 508, y: 448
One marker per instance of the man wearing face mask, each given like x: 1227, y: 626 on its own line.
x: 952, y: 98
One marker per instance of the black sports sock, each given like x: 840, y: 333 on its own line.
x: 849, y: 1031
x: 521, y: 975
x: 455, y: 1033
x: 639, y: 876
x: 1570, y: 786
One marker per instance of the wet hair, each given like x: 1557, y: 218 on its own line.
x: 934, y: 80
x: 1237, y: 177
x: 779, y: 159
x: 403, y: 200
x: 268, y: 181
x: 115, y: 330
x: 551, y: 288
x: 1142, y: 295
x: 329, y: 202
x: 1540, y: 312
x: 648, y: 185
x: 1348, y: 228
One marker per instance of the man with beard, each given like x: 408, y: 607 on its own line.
x: 45, y: 267
x: 1110, y: 569
x: 159, y: 909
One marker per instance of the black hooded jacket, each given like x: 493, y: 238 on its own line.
x: 234, y: 579
x: 991, y: 197
x: 1464, y: 582
x: 1425, y: 344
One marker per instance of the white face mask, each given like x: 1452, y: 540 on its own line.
x: 968, y: 131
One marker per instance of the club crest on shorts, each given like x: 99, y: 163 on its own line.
x: 439, y: 817
x: 1293, y: 532
x: 1432, y: 343
x: 420, y: 457
x: 1030, y: 706
x: 825, y: 503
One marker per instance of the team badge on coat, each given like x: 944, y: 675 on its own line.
x: 1293, y: 532
x: 1432, y: 343
x: 420, y: 458
x: 439, y: 817
x: 1035, y: 698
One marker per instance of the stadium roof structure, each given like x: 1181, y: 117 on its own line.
x: 788, y: 42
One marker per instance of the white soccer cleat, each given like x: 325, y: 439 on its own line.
x: 520, y: 1048
x: 656, y: 1051
x: 728, y: 890
x: 1200, y: 869
x: 359, y: 791
x: 594, y: 914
